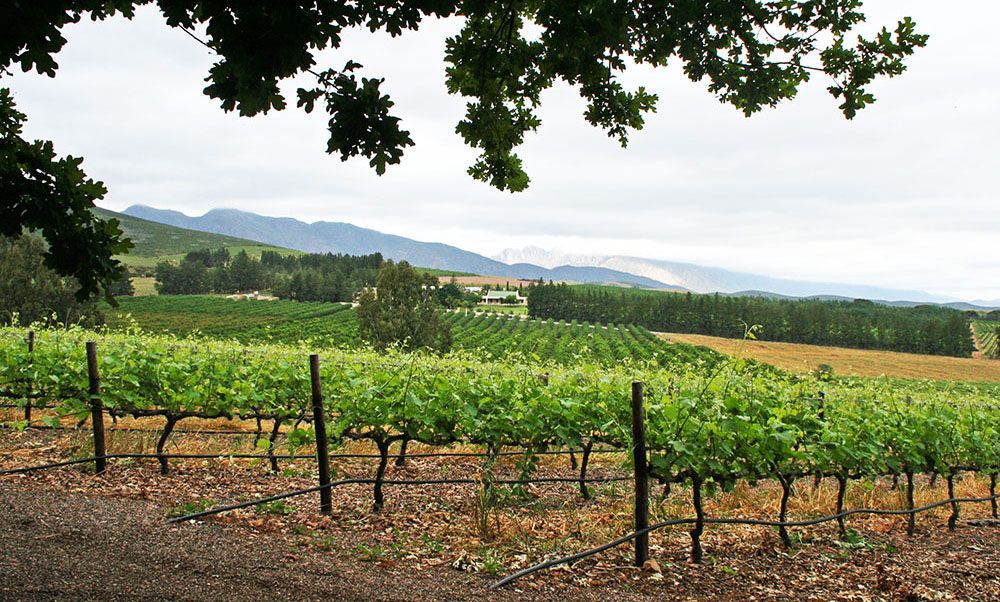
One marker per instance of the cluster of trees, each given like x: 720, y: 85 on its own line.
x: 31, y: 291
x: 208, y: 271
x: 403, y: 310
x: 320, y: 277
x: 313, y: 277
x: 859, y: 324
x: 453, y: 296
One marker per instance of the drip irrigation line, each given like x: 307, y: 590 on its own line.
x: 136, y: 430
x: 55, y: 465
x: 552, y: 452
x: 153, y: 456
x: 726, y: 521
x: 128, y: 456
x: 370, y: 481
x: 170, y: 456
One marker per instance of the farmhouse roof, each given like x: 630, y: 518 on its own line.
x: 501, y: 294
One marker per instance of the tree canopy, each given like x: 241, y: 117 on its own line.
x: 403, y: 310
x: 31, y: 292
x: 754, y: 54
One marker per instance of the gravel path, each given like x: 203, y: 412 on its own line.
x: 69, y: 546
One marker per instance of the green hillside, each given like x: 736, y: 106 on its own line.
x: 158, y: 242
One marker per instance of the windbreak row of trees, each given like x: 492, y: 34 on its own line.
x: 313, y: 277
x: 859, y: 324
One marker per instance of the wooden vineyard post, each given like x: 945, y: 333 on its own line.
x: 641, y: 478
x: 31, y: 353
x: 96, y: 408
x: 322, y: 450
x: 911, y: 519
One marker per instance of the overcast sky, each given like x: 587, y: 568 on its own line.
x: 904, y: 196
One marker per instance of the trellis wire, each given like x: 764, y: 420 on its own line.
x: 371, y: 481
x: 729, y: 521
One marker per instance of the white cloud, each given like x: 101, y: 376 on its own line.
x: 904, y: 196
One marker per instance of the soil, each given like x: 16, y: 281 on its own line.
x: 67, y: 534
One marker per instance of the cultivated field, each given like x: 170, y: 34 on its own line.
x: 498, y: 335
x: 216, y: 316
x: 986, y: 337
x: 495, y: 335
x: 850, y: 362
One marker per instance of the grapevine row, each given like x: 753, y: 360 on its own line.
x: 987, y: 335
x: 733, y: 422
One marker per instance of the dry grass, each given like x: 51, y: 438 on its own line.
x: 144, y: 286
x: 850, y: 362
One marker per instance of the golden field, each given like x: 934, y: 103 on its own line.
x: 850, y: 362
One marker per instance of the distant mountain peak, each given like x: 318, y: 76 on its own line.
x: 705, y: 279
x: 529, y: 263
x: 339, y: 237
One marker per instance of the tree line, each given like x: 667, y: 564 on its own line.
x: 859, y: 324
x: 31, y: 291
x: 311, y: 277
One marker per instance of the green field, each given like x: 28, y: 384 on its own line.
x: 498, y: 336
x: 986, y: 332
x: 335, y: 325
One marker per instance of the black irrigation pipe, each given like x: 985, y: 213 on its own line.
x: 129, y: 456
x: 56, y: 464
x: 728, y: 521
x: 133, y: 456
x: 550, y: 452
x: 135, y: 429
x: 369, y: 481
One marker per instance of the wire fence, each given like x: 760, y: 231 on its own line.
x: 731, y: 521
x: 637, y: 449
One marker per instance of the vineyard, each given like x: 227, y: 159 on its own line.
x: 335, y: 325
x: 499, y: 336
x: 986, y: 334
x: 331, y: 324
x: 706, y: 428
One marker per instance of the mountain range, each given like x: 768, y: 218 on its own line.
x: 703, y: 279
x: 527, y: 263
x: 339, y: 237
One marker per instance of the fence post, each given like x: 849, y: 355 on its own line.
x: 96, y: 408
x: 322, y: 449
x: 31, y: 353
x: 641, y: 476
